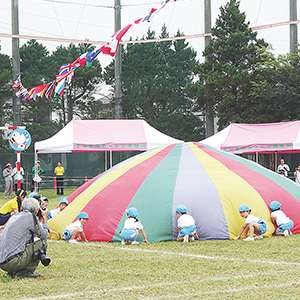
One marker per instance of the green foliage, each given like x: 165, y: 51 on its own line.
x: 155, y: 78
x: 233, y: 61
x: 79, y: 93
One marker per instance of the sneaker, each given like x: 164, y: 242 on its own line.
x: 259, y: 237
x: 123, y: 242
x: 186, y: 239
x: 249, y: 238
x: 134, y: 243
x: 192, y: 238
x: 73, y: 241
x: 26, y: 274
x: 286, y: 233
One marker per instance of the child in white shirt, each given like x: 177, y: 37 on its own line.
x: 63, y: 203
x: 185, y: 225
x: 74, y: 232
x: 254, y: 227
x: 281, y: 221
x: 132, y: 228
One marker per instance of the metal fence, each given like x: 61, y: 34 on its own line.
x: 78, y: 166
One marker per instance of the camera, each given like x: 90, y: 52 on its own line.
x: 45, y: 260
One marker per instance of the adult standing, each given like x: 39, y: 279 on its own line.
x: 297, y: 175
x: 283, y: 168
x: 7, y: 175
x: 36, y: 173
x: 59, y: 173
x: 17, y: 177
x: 23, y: 242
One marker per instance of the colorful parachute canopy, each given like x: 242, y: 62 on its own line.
x: 210, y: 183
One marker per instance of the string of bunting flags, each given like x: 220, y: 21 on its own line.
x: 66, y: 72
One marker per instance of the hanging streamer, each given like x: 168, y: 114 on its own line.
x: 66, y: 72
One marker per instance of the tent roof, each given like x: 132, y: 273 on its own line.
x: 249, y: 138
x: 103, y: 135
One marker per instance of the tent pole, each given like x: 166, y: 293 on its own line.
x: 256, y: 157
x: 36, y: 158
x: 110, y: 158
x: 105, y: 160
x: 276, y: 160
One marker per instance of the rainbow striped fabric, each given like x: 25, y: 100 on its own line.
x: 211, y: 183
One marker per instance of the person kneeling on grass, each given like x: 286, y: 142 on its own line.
x: 281, y: 221
x: 74, y: 232
x: 185, y: 225
x: 132, y: 228
x: 23, y: 242
x: 254, y: 227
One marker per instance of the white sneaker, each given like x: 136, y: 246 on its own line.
x: 249, y: 238
x: 259, y: 237
x: 134, y: 243
x: 73, y: 241
x: 192, y: 238
x: 186, y: 239
x: 123, y: 242
x: 286, y: 233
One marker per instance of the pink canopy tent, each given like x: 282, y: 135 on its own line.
x: 104, y: 135
x: 283, y: 137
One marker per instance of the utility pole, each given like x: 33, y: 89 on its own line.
x: 118, y: 65
x: 15, y: 58
x: 209, y: 114
x: 293, y: 27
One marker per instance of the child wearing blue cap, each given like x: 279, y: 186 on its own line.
x: 254, y: 227
x: 281, y: 221
x: 185, y: 225
x: 62, y: 204
x: 132, y: 228
x: 74, y: 232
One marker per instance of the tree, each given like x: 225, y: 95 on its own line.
x: 5, y: 94
x: 232, y: 63
x: 78, y: 94
x: 155, y: 80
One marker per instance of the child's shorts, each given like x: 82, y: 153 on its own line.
x: 67, y: 234
x: 187, y: 231
x: 129, y: 235
x: 262, y: 227
x: 286, y: 226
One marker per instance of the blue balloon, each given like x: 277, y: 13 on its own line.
x: 20, y: 139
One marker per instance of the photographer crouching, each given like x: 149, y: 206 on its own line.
x: 23, y: 242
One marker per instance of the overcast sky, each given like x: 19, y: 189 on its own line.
x: 79, y: 20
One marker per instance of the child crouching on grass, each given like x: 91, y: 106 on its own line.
x: 185, y: 225
x: 254, y: 227
x: 281, y: 221
x: 74, y: 232
x: 132, y: 228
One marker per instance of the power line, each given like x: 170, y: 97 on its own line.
x: 97, y: 42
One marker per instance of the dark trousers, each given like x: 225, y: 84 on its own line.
x: 4, y: 218
x: 26, y: 261
x: 59, y: 185
x: 16, y: 186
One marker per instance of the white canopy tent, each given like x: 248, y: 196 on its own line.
x: 104, y: 135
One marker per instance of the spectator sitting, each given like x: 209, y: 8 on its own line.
x: 23, y: 242
x: 63, y: 203
x: 74, y: 232
x: 11, y: 207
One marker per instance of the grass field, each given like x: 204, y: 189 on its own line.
x: 268, y: 269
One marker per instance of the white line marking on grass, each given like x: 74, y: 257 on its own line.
x: 190, y: 255
x: 106, y: 291
x: 217, y: 258
x: 228, y: 291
